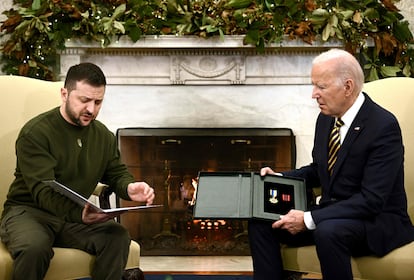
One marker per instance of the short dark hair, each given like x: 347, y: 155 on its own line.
x: 87, y: 72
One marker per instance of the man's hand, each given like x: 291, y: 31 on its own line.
x: 267, y: 170
x: 293, y: 222
x: 90, y: 216
x: 142, y: 192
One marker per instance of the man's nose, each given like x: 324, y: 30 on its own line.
x: 315, y: 93
x: 90, y: 107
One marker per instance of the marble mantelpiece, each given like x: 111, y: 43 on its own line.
x: 193, y: 82
x: 171, y: 60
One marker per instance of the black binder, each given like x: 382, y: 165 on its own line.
x: 246, y: 195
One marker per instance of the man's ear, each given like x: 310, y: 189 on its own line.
x: 64, y: 94
x: 349, y: 86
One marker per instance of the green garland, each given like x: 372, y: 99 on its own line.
x: 37, y: 29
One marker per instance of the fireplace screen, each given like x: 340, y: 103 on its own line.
x: 169, y: 159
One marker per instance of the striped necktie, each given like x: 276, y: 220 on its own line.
x: 334, y: 144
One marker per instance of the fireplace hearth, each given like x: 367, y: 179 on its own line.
x: 169, y: 159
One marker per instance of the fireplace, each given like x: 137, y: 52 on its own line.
x: 169, y: 159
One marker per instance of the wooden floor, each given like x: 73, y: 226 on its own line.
x: 205, y: 265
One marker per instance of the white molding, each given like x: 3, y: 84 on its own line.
x: 193, y: 42
x: 191, y: 60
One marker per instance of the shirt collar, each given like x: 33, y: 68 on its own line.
x: 350, y: 115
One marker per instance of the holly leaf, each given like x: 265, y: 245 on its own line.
x: 327, y: 31
x: 319, y: 17
x: 402, y: 31
x: 407, y: 70
x: 373, y: 75
x: 118, y: 25
x: 389, y: 71
x: 36, y: 4
x: 134, y: 33
x: 120, y: 10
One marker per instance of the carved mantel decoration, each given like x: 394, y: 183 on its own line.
x: 208, y: 68
x: 170, y: 60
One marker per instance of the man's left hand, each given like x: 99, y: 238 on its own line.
x: 142, y: 192
x: 293, y: 222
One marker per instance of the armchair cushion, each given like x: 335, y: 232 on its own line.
x: 66, y: 263
x: 396, y: 265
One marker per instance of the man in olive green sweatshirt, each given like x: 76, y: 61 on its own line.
x: 69, y: 145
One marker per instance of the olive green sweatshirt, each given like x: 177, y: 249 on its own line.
x: 48, y: 147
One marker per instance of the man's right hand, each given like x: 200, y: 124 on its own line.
x: 90, y: 216
x: 267, y: 170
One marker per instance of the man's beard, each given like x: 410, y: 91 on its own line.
x: 72, y: 116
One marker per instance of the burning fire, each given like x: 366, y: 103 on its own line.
x: 194, y: 183
x: 210, y: 224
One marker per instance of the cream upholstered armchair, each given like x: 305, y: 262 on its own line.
x: 21, y: 99
x: 396, y: 95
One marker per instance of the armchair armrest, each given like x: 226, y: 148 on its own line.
x: 103, y: 192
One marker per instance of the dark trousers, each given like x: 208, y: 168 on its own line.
x: 336, y: 241
x: 30, y: 234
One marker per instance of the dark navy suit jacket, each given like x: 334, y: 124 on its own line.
x: 368, y: 178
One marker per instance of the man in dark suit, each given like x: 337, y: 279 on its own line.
x: 363, y: 208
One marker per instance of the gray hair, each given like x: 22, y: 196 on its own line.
x: 345, y: 64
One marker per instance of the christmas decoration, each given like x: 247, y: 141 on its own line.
x: 37, y: 29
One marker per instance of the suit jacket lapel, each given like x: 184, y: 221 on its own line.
x: 354, y: 131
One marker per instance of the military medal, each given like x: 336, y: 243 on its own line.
x: 273, y: 195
